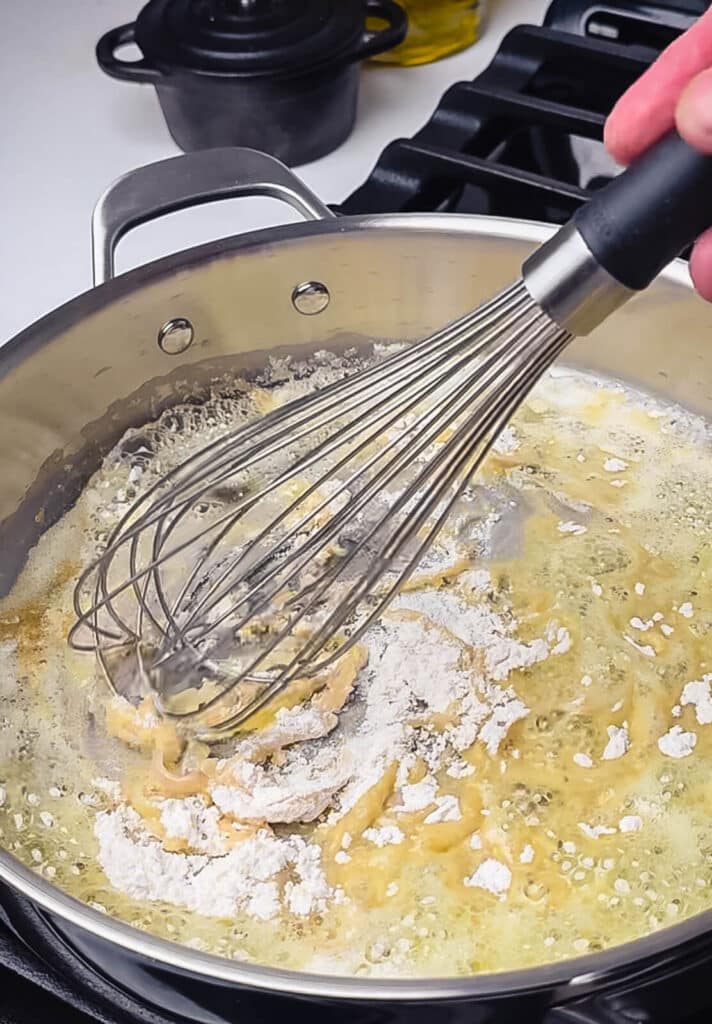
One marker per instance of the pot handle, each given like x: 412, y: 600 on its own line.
x: 125, y: 70
x: 176, y: 184
x: 379, y: 40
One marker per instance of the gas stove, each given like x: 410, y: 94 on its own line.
x: 523, y: 139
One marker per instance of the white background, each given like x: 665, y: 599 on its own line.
x: 67, y: 131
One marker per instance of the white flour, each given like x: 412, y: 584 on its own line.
x: 594, y: 831
x: 447, y: 808
x: 299, y: 791
x: 677, y: 743
x: 247, y: 879
x: 630, y: 823
x: 493, y: 876
x: 194, y: 821
x: 618, y: 742
x: 292, y: 725
x: 418, y: 796
x: 507, y: 442
x: 387, y: 835
x: 698, y: 694
x: 435, y: 653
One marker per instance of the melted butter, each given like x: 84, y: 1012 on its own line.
x: 141, y: 727
x: 408, y: 911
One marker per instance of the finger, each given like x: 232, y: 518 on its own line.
x: 647, y: 110
x: 701, y: 265
x: 693, y: 116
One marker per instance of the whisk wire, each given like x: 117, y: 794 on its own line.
x: 346, y: 608
x: 224, y: 468
x: 472, y: 442
x: 323, y: 536
x: 358, y: 480
x: 354, y: 507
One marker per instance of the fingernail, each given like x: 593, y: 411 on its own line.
x: 693, y: 116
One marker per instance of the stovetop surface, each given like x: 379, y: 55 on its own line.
x: 48, y: 983
x: 524, y: 140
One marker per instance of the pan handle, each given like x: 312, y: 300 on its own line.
x: 190, y: 180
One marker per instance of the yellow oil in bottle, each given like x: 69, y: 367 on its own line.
x: 436, y: 29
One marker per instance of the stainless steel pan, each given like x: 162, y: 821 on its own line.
x: 72, y: 383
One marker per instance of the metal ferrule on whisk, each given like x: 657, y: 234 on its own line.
x: 565, y: 279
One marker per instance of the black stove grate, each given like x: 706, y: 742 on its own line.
x: 524, y: 138
x: 505, y: 143
x: 49, y: 982
x: 646, y: 24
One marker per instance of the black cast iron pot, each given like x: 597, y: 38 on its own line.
x: 281, y: 76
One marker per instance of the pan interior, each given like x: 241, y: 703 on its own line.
x: 568, y: 599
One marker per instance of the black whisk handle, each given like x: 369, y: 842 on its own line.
x: 650, y: 213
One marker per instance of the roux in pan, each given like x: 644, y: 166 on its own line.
x: 521, y: 747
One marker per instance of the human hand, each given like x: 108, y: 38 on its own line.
x: 676, y: 91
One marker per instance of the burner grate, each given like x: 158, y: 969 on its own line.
x: 649, y: 24
x: 524, y: 138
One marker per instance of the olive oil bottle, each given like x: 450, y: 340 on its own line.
x: 437, y: 28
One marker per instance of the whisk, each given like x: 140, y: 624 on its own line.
x: 265, y: 556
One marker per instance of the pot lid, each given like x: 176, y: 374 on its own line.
x: 248, y: 37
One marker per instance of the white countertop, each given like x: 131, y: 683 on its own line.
x: 68, y: 131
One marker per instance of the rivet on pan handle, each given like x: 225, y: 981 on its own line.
x: 152, y: 191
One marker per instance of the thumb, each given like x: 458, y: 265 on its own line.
x: 693, y: 116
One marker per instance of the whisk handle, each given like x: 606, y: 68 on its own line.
x: 650, y: 213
